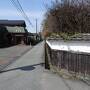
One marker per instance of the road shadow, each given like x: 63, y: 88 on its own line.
x: 24, y: 68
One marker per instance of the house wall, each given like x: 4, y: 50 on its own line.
x: 10, y: 38
x: 3, y: 38
x: 19, y: 38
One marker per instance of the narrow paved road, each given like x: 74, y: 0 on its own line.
x: 28, y: 73
x: 10, y: 54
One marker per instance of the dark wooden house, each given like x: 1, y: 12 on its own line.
x: 12, y: 32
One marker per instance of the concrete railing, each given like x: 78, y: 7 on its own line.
x: 74, y: 59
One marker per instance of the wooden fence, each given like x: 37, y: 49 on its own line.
x: 78, y: 63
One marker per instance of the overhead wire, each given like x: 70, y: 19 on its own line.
x: 18, y: 6
x: 15, y: 5
x: 24, y: 12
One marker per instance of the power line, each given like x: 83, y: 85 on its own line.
x: 24, y: 12
x: 20, y: 9
x: 36, y: 26
x: 15, y: 5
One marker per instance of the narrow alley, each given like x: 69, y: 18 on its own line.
x: 28, y: 73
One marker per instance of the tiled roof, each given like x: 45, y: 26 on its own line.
x: 15, y: 29
x: 12, y: 23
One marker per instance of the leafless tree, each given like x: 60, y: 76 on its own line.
x: 71, y: 16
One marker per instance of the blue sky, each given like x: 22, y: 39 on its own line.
x: 33, y: 8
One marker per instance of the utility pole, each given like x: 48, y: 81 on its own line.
x: 36, y: 29
x: 36, y: 25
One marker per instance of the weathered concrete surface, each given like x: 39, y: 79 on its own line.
x: 28, y: 73
x: 10, y: 54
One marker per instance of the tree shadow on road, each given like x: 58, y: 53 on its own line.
x: 24, y: 68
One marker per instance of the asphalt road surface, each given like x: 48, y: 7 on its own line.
x: 28, y: 73
x: 11, y: 54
